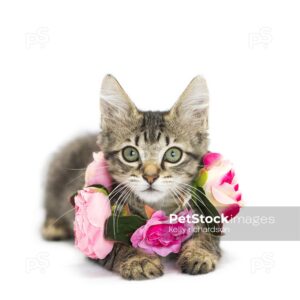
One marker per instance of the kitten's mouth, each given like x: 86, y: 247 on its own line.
x: 150, y: 189
x: 151, y: 194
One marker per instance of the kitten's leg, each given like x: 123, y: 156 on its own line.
x: 132, y: 263
x: 54, y: 230
x: 200, y: 254
x: 58, y: 224
x: 65, y: 176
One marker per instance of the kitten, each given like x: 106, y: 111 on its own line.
x: 157, y: 155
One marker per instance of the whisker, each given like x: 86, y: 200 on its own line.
x: 116, y: 192
x: 118, y: 206
x: 122, y: 203
x: 197, y: 197
x: 77, y: 177
x: 192, y: 193
x: 192, y: 189
x: 63, y: 215
x: 177, y: 201
x: 186, y: 202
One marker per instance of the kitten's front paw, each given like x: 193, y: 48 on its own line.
x: 56, y: 231
x: 141, y: 267
x: 197, y: 261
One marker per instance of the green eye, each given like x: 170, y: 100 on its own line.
x: 130, y: 154
x: 173, y: 155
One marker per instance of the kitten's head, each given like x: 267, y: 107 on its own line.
x: 155, y: 154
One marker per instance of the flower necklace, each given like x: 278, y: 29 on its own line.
x: 98, y: 224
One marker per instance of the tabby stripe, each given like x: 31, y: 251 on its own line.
x: 193, y: 155
x: 190, y: 174
x: 121, y: 164
x: 181, y: 165
x: 158, y: 136
x: 167, y: 140
x: 110, y: 154
x: 137, y: 140
x: 145, y: 136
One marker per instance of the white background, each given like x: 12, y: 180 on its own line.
x: 54, y: 55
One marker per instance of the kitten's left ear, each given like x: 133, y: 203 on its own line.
x: 117, y: 109
x: 192, y: 105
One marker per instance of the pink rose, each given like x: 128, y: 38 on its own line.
x: 160, y: 236
x: 92, y: 208
x: 97, y: 172
x: 220, y: 185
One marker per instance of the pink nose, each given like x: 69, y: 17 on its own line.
x: 150, y: 172
x: 150, y: 178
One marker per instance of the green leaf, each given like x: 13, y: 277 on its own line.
x: 206, y: 208
x: 120, y: 229
x: 99, y: 188
x: 202, y: 178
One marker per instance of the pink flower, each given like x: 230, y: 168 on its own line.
x: 97, y: 172
x: 160, y: 236
x: 92, y: 208
x: 220, y: 185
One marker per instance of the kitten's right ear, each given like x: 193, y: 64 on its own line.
x: 115, y: 105
x: 192, y: 106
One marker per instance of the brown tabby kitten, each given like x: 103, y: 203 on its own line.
x: 153, y: 157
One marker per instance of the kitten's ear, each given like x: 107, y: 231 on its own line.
x: 115, y: 105
x: 192, y: 105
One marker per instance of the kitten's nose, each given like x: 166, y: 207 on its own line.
x: 150, y: 172
x: 150, y: 179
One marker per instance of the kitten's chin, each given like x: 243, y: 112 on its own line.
x: 151, y: 196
